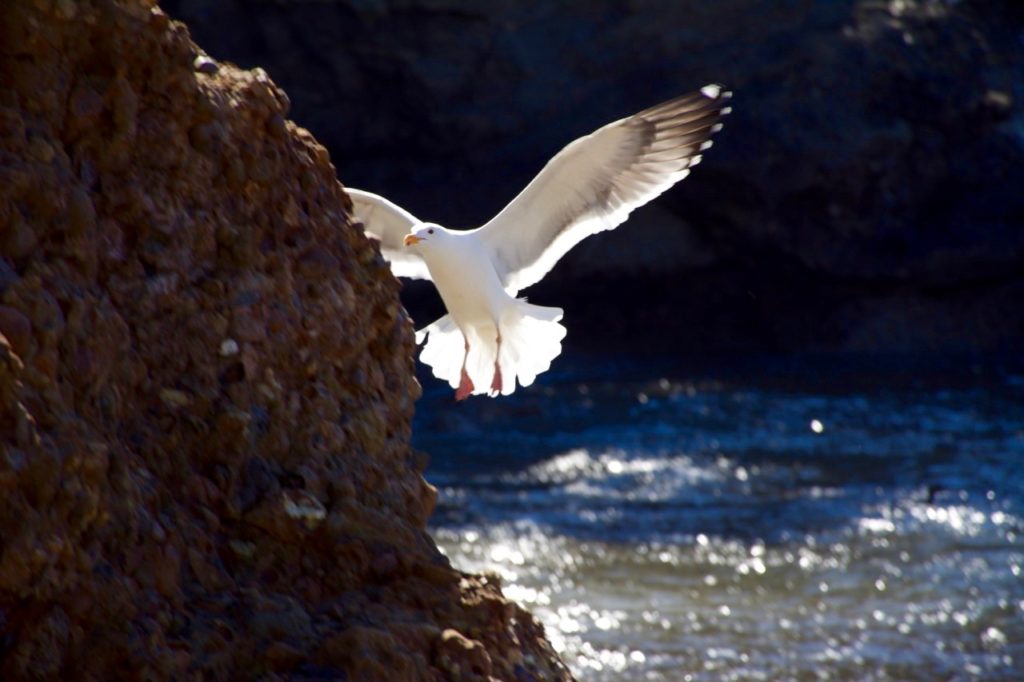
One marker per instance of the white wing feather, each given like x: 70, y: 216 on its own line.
x: 388, y: 223
x: 595, y: 182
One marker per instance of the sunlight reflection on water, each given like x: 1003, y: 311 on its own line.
x: 718, y: 535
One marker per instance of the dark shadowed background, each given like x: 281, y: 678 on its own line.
x: 866, y: 195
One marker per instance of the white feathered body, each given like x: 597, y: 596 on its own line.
x: 467, y: 283
x: 479, y: 310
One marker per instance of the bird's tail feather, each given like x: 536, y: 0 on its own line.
x: 531, y: 337
x: 444, y: 350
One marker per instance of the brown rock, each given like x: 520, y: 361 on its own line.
x: 17, y: 328
x: 462, y: 658
x: 183, y: 496
x: 370, y: 654
x: 84, y: 109
x: 21, y: 238
x: 281, y: 657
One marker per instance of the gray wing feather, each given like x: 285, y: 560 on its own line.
x: 388, y: 223
x: 595, y: 182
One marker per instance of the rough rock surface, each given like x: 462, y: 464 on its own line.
x: 205, y: 386
x: 864, y: 195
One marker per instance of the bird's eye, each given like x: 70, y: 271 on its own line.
x: 430, y: 231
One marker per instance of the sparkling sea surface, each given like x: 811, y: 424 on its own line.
x: 772, y: 519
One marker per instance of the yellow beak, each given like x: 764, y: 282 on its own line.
x: 411, y: 239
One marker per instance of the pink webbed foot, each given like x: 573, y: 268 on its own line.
x: 496, y: 381
x: 465, y: 386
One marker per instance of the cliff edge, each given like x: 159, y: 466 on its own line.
x: 206, y: 385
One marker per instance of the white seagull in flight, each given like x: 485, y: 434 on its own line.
x: 490, y: 339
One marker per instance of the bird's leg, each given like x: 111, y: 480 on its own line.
x: 496, y: 381
x: 465, y: 383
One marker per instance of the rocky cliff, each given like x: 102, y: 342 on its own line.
x: 205, y: 386
x: 864, y: 195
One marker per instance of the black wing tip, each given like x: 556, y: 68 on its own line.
x: 719, y: 96
x: 713, y: 97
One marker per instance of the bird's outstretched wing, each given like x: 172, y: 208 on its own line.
x: 388, y: 223
x: 595, y: 181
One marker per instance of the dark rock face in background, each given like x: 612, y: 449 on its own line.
x: 865, y: 195
x: 205, y: 386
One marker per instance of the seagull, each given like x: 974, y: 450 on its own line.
x: 490, y: 339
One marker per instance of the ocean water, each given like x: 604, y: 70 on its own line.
x: 775, y: 519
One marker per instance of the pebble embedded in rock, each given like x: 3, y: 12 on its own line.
x: 204, y: 64
x: 228, y: 347
x: 172, y: 397
x: 242, y: 548
x: 303, y: 507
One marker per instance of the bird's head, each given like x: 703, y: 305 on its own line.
x: 424, y: 236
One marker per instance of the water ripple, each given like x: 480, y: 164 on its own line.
x: 685, y: 530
